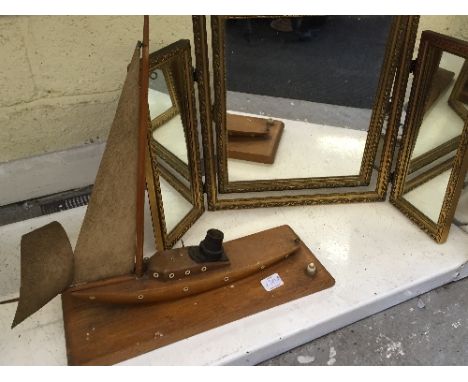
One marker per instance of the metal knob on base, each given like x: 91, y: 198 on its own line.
x: 311, y: 269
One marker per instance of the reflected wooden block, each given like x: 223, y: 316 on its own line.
x: 258, y: 147
x: 102, y: 334
x: 246, y: 126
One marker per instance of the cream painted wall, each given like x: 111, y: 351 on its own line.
x: 60, y: 76
x: 456, y: 26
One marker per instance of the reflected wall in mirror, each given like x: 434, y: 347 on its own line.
x: 168, y: 132
x: 173, y: 173
x: 432, y: 162
x: 161, y: 97
x: 300, y: 102
x: 459, y: 96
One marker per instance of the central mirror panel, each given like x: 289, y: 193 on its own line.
x: 300, y: 101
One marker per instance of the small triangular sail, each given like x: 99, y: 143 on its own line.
x: 106, y: 245
x: 46, y: 268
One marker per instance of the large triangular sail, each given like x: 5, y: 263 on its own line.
x: 106, y: 245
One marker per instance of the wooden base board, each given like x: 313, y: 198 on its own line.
x: 98, y: 334
x: 258, y: 149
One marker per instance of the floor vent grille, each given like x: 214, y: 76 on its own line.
x: 65, y: 204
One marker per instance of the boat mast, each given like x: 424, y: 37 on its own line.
x: 143, y: 120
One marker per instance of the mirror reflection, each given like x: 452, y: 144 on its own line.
x: 167, y: 125
x: 459, y: 97
x: 438, y: 137
x: 175, y: 203
x: 442, y: 121
x: 300, y: 93
x: 161, y: 102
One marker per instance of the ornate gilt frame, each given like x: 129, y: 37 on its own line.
x: 184, y: 91
x: 402, y: 40
x: 428, y: 174
x: 375, y: 126
x: 431, y: 44
x: 434, y: 154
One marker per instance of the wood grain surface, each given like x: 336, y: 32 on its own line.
x: 102, y: 334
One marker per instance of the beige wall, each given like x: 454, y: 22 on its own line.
x: 60, y: 76
x: 456, y: 26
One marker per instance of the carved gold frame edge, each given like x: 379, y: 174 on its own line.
x: 175, y: 162
x: 433, y: 154
x: 428, y: 175
x: 438, y: 231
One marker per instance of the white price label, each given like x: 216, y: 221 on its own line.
x: 272, y: 282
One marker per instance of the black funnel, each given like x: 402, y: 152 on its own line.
x: 210, y: 249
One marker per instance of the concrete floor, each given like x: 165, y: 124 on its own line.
x: 428, y: 330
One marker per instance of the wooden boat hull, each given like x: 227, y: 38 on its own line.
x: 104, y: 334
x: 247, y: 255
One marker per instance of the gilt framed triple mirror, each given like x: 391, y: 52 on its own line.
x: 299, y: 110
x: 173, y: 172
x: 433, y: 160
x: 304, y: 107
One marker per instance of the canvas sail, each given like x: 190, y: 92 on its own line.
x: 46, y: 268
x: 106, y: 245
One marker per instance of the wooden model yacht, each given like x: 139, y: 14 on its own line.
x: 107, y: 265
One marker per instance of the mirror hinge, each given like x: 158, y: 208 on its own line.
x: 413, y: 65
x: 194, y: 75
x: 388, y: 107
